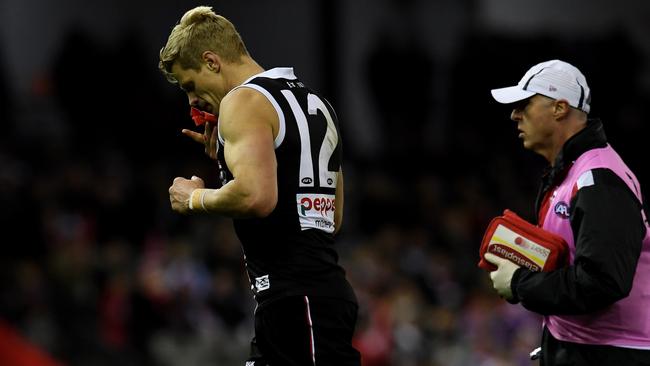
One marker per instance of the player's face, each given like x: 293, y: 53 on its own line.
x: 203, y: 87
x: 534, y: 117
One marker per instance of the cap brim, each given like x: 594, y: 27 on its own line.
x: 511, y: 94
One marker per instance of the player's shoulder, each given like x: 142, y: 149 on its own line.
x: 243, y: 101
x: 245, y: 107
x: 242, y: 95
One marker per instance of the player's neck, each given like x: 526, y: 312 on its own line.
x: 243, y: 71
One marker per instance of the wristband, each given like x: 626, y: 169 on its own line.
x: 197, y: 199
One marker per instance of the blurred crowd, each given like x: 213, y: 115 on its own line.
x: 97, y: 270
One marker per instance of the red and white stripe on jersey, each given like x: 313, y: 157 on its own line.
x: 311, y: 332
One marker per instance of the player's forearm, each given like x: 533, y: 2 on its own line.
x: 235, y: 201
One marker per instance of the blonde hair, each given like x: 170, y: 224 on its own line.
x: 200, y: 30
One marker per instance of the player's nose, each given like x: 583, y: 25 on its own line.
x: 192, y: 99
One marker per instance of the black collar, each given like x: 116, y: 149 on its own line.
x: 591, y: 137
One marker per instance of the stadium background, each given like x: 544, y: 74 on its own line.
x: 95, y: 268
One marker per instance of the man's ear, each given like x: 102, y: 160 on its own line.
x: 561, y: 109
x: 212, y: 60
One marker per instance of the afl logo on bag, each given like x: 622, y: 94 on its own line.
x: 562, y: 209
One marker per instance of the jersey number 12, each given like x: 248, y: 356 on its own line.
x: 306, y: 175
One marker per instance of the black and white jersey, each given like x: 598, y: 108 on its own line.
x: 291, y: 252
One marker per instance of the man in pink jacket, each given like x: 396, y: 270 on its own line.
x: 597, y: 309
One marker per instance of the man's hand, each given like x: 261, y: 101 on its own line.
x: 180, y: 192
x: 209, y: 138
x: 502, y: 276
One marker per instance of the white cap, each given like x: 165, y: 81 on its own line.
x: 555, y: 79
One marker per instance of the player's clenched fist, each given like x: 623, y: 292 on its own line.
x: 181, y: 191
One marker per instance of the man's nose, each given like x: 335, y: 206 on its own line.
x: 515, y: 115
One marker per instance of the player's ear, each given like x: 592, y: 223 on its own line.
x: 561, y: 109
x: 212, y: 61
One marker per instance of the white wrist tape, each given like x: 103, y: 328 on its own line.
x: 197, y: 200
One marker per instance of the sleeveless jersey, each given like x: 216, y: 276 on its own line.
x: 290, y: 252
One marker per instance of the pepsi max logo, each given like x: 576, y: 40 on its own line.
x: 561, y: 209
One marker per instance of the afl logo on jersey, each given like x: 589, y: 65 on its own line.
x: 306, y: 180
x: 562, y: 209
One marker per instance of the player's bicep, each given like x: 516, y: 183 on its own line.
x: 248, y: 147
x: 250, y: 154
